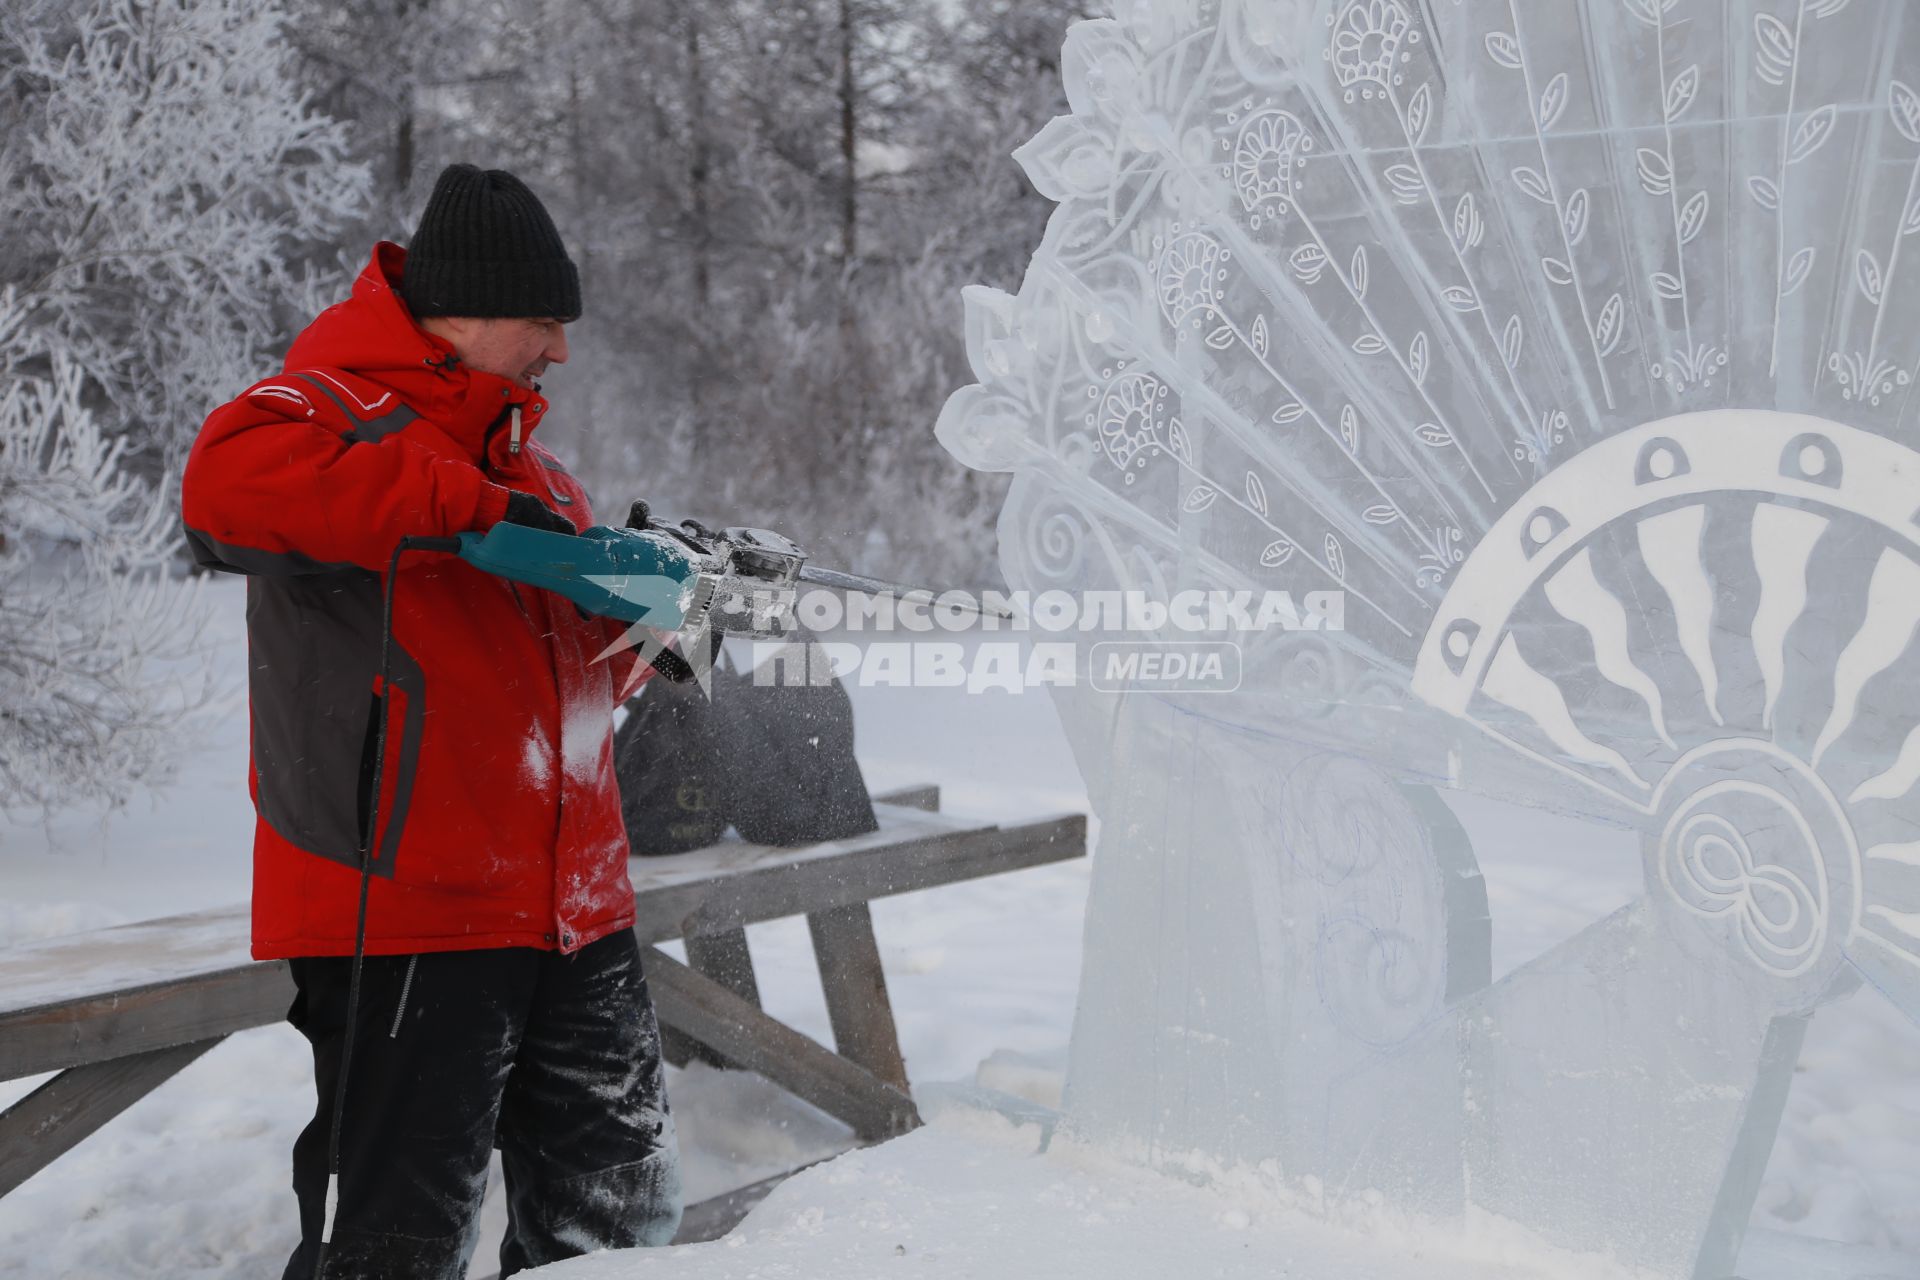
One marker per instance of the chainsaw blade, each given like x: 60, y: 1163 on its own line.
x: 960, y: 601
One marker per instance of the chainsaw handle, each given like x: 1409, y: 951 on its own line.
x: 688, y: 533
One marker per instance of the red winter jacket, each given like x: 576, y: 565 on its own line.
x: 499, y: 821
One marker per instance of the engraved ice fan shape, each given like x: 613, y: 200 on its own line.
x: 1575, y: 345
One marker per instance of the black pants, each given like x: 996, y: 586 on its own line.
x: 554, y: 1059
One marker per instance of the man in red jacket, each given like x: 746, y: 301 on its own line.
x: 502, y: 1001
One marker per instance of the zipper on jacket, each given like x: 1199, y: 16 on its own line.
x: 513, y: 435
x: 493, y: 428
x: 400, y: 1010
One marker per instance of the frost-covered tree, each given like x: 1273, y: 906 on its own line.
x: 767, y: 339
x: 380, y: 65
x: 163, y: 190
x: 773, y: 203
x: 98, y: 657
x: 998, y: 74
x: 162, y: 186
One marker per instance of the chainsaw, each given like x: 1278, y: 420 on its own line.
x: 680, y: 577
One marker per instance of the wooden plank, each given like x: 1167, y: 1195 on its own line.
x: 718, y: 1018
x: 168, y: 950
x: 713, y: 1217
x: 734, y: 856
x: 116, y: 992
x: 679, y: 1049
x: 776, y: 890
x: 925, y: 797
x: 50, y: 1121
x: 724, y: 957
x: 98, y: 1028
x: 124, y: 958
x: 856, y: 987
x: 86, y: 997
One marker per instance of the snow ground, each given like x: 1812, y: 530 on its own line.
x: 192, y: 1181
x: 970, y: 1195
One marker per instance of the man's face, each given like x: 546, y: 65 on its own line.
x: 518, y: 350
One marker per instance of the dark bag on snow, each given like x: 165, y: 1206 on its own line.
x: 668, y: 765
x: 773, y: 761
x: 792, y: 777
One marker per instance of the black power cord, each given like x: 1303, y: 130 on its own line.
x: 366, y: 885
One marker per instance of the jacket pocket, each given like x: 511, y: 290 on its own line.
x: 316, y: 717
x: 406, y: 725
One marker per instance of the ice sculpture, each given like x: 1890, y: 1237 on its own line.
x: 1574, y: 343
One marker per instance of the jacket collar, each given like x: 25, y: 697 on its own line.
x: 373, y: 335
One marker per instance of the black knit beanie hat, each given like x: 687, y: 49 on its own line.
x: 486, y: 247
